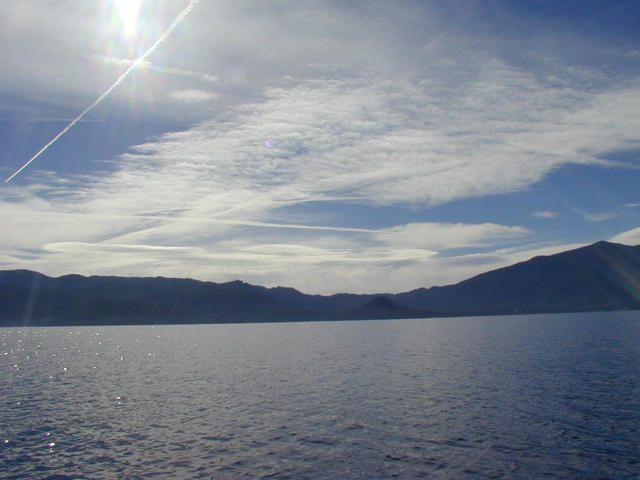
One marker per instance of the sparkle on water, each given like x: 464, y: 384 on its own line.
x: 548, y: 396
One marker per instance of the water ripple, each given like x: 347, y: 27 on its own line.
x: 507, y: 398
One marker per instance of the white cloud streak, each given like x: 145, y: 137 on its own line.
x: 599, y: 216
x: 630, y: 237
x: 544, y: 214
x: 192, y: 95
x: 147, y: 65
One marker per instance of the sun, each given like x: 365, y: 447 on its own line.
x: 128, y: 11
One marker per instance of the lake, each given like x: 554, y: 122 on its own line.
x: 514, y: 397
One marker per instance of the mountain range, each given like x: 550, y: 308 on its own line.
x: 599, y: 277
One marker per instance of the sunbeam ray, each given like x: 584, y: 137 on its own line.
x: 113, y: 86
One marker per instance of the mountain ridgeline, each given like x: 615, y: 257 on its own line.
x: 599, y: 277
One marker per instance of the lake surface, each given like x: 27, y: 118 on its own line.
x: 517, y: 397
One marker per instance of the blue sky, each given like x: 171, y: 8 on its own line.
x: 328, y: 146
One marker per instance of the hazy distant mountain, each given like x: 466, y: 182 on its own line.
x: 602, y: 276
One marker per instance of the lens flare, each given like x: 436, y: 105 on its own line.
x: 113, y: 86
x: 128, y: 11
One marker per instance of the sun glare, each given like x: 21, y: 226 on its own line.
x: 128, y: 11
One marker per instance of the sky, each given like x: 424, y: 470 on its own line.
x: 330, y: 146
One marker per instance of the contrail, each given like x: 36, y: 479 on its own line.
x: 115, y: 84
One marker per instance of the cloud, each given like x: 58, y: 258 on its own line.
x: 598, y: 217
x: 326, y: 265
x: 99, y: 237
x: 147, y: 65
x: 386, y: 143
x: 396, y: 107
x: 443, y: 236
x: 545, y: 214
x: 383, y: 143
x: 630, y: 237
x: 192, y: 95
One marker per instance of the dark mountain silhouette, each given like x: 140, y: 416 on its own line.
x: 384, y: 307
x: 602, y: 276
